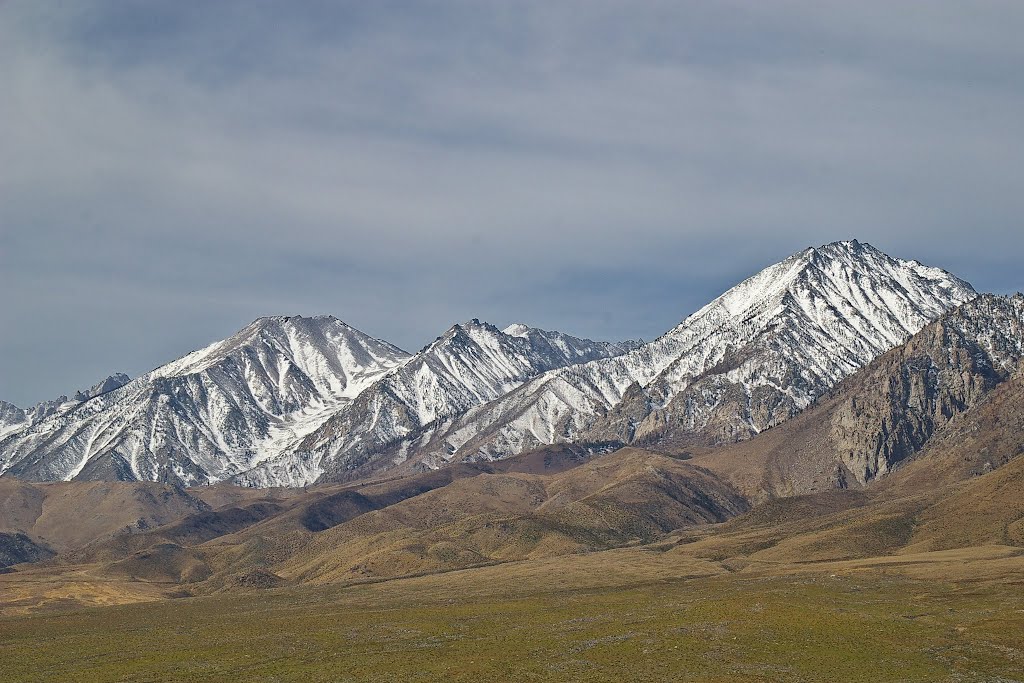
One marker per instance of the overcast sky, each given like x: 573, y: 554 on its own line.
x: 171, y: 170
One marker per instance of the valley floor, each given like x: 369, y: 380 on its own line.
x: 638, y: 614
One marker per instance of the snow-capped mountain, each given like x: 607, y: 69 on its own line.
x: 748, y: 360
x: 470, y: 364
x: 210, y: 414
x: 293, y: 400
x: 249, y: 406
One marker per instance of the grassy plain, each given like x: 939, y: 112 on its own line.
x: 623, y: 615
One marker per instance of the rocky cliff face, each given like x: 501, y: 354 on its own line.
x: 910, y: 393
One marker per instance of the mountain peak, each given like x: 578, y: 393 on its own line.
x: 851, y: 246
x: 843, y: 250
x: 298, y: 320
x: 461, y: 330
x: 850, y: 274
x: 476, y: 323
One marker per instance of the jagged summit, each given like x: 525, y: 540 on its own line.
x: 115, y: 381
x: 473, y: 327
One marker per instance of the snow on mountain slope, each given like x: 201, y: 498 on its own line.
x: 750, y: 359
x: 469, y: 364
x: 210, y: 414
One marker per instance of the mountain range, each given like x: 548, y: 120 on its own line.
x: 290, y: 401
x: 919, y: 450
x: 239, y: 407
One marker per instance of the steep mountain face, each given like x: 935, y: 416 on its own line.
x: 211, y: 414
x: 470, y: 364
x: 750, y: 359
x: 945, y: 383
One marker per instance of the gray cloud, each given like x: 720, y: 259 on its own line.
x: 173, y: 170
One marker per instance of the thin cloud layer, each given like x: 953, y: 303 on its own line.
x: 173, y: 171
